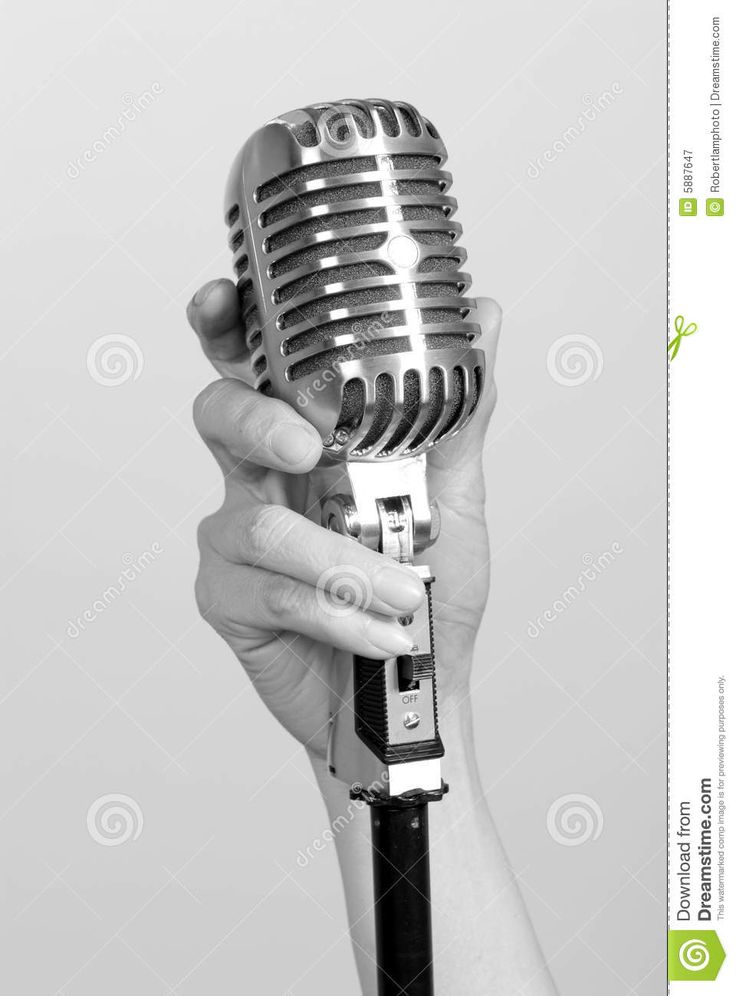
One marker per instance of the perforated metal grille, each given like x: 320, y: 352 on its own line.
x: 409, y: 412
x: 352, y: 408
x: 323, y: 250
x: 389, y: 120
x: 331, y: 275
x: 312, y: 311
x: 367, y: 350
x: 312, y: 219
x: 313, y: 198
x: 315, y: 171
x: 364, y: 328
x: 433, y: 410
x: 324, y: 223
x: 424, y: 212
x: 433, y: 264
x: 341, y: 167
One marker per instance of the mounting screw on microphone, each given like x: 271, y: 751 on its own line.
x: 340, y: 515
x: 337, y: 438
x: 411, y: 720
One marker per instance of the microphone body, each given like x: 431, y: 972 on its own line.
x: 354, y: 303
x: 350, y: 277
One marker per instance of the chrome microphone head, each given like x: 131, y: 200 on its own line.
x: 350, y: 280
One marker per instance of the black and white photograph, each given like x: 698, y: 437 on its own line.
x: 335, y: 571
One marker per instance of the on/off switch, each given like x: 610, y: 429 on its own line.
x: 412, y: 669
x: 407, y: 680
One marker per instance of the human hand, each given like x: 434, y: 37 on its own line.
x: 265, y: 559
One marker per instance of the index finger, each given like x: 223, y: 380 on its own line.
x: 256, y: 430
x: 215, y: 315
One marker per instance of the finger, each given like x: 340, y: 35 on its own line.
x: 254, y: 602
x: 468, y: 445
x: 489, y: 319
x: 214, y: 314
x: 255, y: 429
x: 280, y: 540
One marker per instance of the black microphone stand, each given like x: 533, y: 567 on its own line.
x: 403, y: 911
x: 401, y: 889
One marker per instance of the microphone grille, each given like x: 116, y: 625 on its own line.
x: 349, y: 275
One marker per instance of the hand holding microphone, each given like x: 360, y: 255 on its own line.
x: 263, y: 551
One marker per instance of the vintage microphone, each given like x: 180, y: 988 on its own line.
x: 354, y: 307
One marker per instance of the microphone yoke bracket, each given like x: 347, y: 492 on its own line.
x: 384, y: 731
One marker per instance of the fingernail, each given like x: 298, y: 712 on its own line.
x: 388, y: 638
x: 401, y: 589
x: 292, y: 443
x: 203, y: 293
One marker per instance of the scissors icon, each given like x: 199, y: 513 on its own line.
x: 682, y: 330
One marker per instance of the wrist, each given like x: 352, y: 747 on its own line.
x: 455, y: 714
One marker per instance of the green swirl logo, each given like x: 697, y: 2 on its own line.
x: 694, y: 955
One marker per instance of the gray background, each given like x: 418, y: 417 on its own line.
x: 147, y: 702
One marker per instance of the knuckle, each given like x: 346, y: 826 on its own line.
x: 207, y: 399
x: 349, y: 584
x: 281, y: 596
x: 203, y: 594
x: 263, y: 529
x: 204, y: 533
x: 246, y: 407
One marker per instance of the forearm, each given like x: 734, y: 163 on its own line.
x: 483, y: 940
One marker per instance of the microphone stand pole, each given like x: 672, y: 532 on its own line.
x: 402, y: 903
x: 384, y: 732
